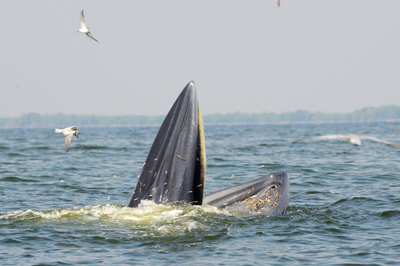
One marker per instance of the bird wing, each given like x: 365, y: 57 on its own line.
x: 82, y: 21
x: 90, y: 36
x: 81, y: 17
x: 380, y: 140
x: 68, y: 139
x: 334, y: 136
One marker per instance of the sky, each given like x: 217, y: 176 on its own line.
x: 243, y: 55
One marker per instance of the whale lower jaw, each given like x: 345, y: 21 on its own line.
x: 268, y: 195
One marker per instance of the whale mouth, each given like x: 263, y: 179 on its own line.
x: 175, y: 168
x: 268, y: 195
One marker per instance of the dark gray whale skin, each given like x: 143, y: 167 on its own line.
x: 174, y: 171
x: 267, y: 195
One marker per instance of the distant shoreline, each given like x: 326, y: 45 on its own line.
x: 369, y: 114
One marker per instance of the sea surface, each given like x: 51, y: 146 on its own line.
x: 68, y: 208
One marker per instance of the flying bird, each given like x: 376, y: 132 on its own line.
x: 84, y: 28
x: 353, y: 139
x: 68, y: 133
x: 278, y: 2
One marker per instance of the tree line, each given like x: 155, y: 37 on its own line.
x: 368, y: 114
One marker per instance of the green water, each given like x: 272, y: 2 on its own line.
x: 344, y: 202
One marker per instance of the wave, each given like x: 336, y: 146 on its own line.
x: 164, y: 219
x: 17, y: 179
x: 44, y: 148
x: 390, y: 214
x: 90, y: 147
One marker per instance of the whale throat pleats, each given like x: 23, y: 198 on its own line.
x: 175, y: 166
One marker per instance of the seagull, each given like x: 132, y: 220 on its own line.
x: 84, y: 28
x: 68, y: 133
x: 354, y: 140
x: 278, y: 2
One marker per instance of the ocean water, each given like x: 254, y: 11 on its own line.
x: 69, y: 208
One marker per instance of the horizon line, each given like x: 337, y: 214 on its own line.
x: 237, y: 112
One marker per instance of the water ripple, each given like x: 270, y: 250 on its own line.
x: 343, y: 209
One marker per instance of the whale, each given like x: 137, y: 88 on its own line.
x: 174, y: 171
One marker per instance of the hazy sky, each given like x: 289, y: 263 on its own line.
x: 247, y: 56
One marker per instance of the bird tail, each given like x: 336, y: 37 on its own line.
x: 58, y: 130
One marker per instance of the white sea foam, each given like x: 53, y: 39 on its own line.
x: 147, y: 213
x: 148, y: 218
